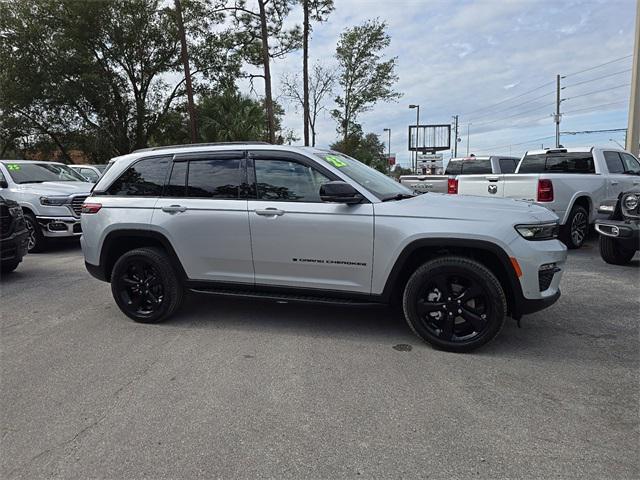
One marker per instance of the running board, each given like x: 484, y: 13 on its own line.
x: 282, y: 297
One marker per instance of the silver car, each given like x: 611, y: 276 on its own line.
x: 311, y: 225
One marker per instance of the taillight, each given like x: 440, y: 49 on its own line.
x: 545, y: 190
x: 91, y: 207
x: 452, y: 185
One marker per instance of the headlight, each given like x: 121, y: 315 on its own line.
x: 630, y: 202
x: 544, y: 231
x: 54, y: 201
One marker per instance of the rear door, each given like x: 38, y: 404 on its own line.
x: 298, y: 240
x: 203, y: 212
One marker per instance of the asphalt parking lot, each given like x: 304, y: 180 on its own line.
x: 244, y: 389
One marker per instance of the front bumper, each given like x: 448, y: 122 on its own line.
x: 625, y: 232
x: 14, y: 247
x: 57, y: 227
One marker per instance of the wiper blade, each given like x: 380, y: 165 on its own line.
x: 32, y: 181
x: 398, y: 196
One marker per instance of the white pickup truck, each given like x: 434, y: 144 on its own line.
x: 569, y: 181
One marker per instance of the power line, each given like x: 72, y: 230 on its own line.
x: 522, y: 143
x: 514, y: 106
x: 587, y: 132
x: 592, y: 108
x: 509, y: 99
x: 511, y: 116
x: 596, y: 91
x: 597, y: 78
x: 598, y: 66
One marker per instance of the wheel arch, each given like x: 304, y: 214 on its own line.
x: 118, y: 242
x: 584, y: 200
x: 489, y: 254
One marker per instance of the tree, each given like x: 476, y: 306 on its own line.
x: 363, y: 75
x: 316, y: 10
x: 264, y: 37
x: 184, y: 54
x: 320, y: 86
x: 366, y: 148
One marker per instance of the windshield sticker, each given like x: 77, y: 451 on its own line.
x: 13, y: 166
x: 335, y: 161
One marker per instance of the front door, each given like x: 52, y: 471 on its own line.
x: 300, y: 241
x: 203, y: 214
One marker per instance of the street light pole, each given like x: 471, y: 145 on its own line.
x: 389, y: 147
x: 415, y: 163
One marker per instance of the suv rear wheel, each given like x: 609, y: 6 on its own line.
x: 145, y: 286
x: 454, y: 303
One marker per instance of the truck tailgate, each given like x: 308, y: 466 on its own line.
x: 521, y: 187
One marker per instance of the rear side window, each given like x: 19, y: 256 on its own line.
x: 614, y: 162
x: 454, y: 168
x: 475, y: 167
x: 142, y: 179
x: 215, y: 178
x: 560, y: 162
x: 507, y: 165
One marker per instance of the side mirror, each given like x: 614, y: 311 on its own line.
x: 339, y: 192
x: 4, y: 184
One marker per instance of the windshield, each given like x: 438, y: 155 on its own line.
x: 374, y: 181
x: 42, y: 172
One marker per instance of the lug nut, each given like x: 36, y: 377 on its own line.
x: 459, y: 311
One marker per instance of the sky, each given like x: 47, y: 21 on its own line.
x: 471, y: 58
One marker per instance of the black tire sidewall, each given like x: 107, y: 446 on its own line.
x: 612, y: 253
x: 171, y: 288
x: 463, y: 267
x: 40, y: 238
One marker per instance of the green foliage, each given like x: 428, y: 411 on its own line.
x: 364, y: 77
x: 366, y: 148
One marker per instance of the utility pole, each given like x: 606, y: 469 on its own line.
x: 633, y: 128
x: 468, y: 127
x: 389, y: 147
x: 305, y: 71
x: 455, y: 137
x: 415, y: 163
x: 187, y: 73
x: 556, y: 117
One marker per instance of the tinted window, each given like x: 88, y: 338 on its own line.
x: 560, y: 162
x: 507, y: 165
x: 286, y: 180
x: 631, y: 165
x: 143, y: 179
x: 215, y: 178
x: 454, y: 167
x: 89, y: 174
x: 614, y: 162
x: 471, y: 167
x: 177, y: 184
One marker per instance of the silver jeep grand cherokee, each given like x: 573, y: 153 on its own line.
x: 312, y: 225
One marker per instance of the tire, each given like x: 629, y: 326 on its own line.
x: 454, y: 303
x: 37, y: 242
x: 611, y: 251
x: 8, y: 267
x: 145, y: 286
x: 575, y: 231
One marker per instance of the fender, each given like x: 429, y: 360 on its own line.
x: 571, y: 204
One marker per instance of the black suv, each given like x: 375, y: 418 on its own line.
x: 13, y: 235
x: 619, y: 237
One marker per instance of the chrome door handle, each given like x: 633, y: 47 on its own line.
x: 270, y: 212
x: 493, y: 179
x: 174, y: 209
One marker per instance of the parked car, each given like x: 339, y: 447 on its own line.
x: 571, y: 182
x: 13, y: 235
x: 310, y: 225
x: 619, y: 232
x: 51, y: 196
x: 91, y: 172
x: 447, y: 183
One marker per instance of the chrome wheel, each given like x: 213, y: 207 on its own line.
x: 32, y: 239
x: 579, y: 226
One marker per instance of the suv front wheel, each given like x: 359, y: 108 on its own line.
x: 454, y: 303
x: 145, y: 286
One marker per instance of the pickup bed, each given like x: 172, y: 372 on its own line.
x: 571, y: 182
x: 459, y: 166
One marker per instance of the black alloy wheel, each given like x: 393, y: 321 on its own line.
x: 145, y: 286
x: 454, y: 303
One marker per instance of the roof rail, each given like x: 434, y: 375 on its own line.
x: 213, y: 144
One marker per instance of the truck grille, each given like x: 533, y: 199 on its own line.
x: 5, y: 221
x: 76, y: 204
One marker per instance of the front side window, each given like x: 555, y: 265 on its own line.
x: 215, y: 178
x: 614, y: 162
x: 631, y: 165
x: 42, y: 172
x: 142, y: 179
x: 287, y: 180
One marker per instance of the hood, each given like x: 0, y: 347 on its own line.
x: 56, y: 188
x: 464, y: 207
